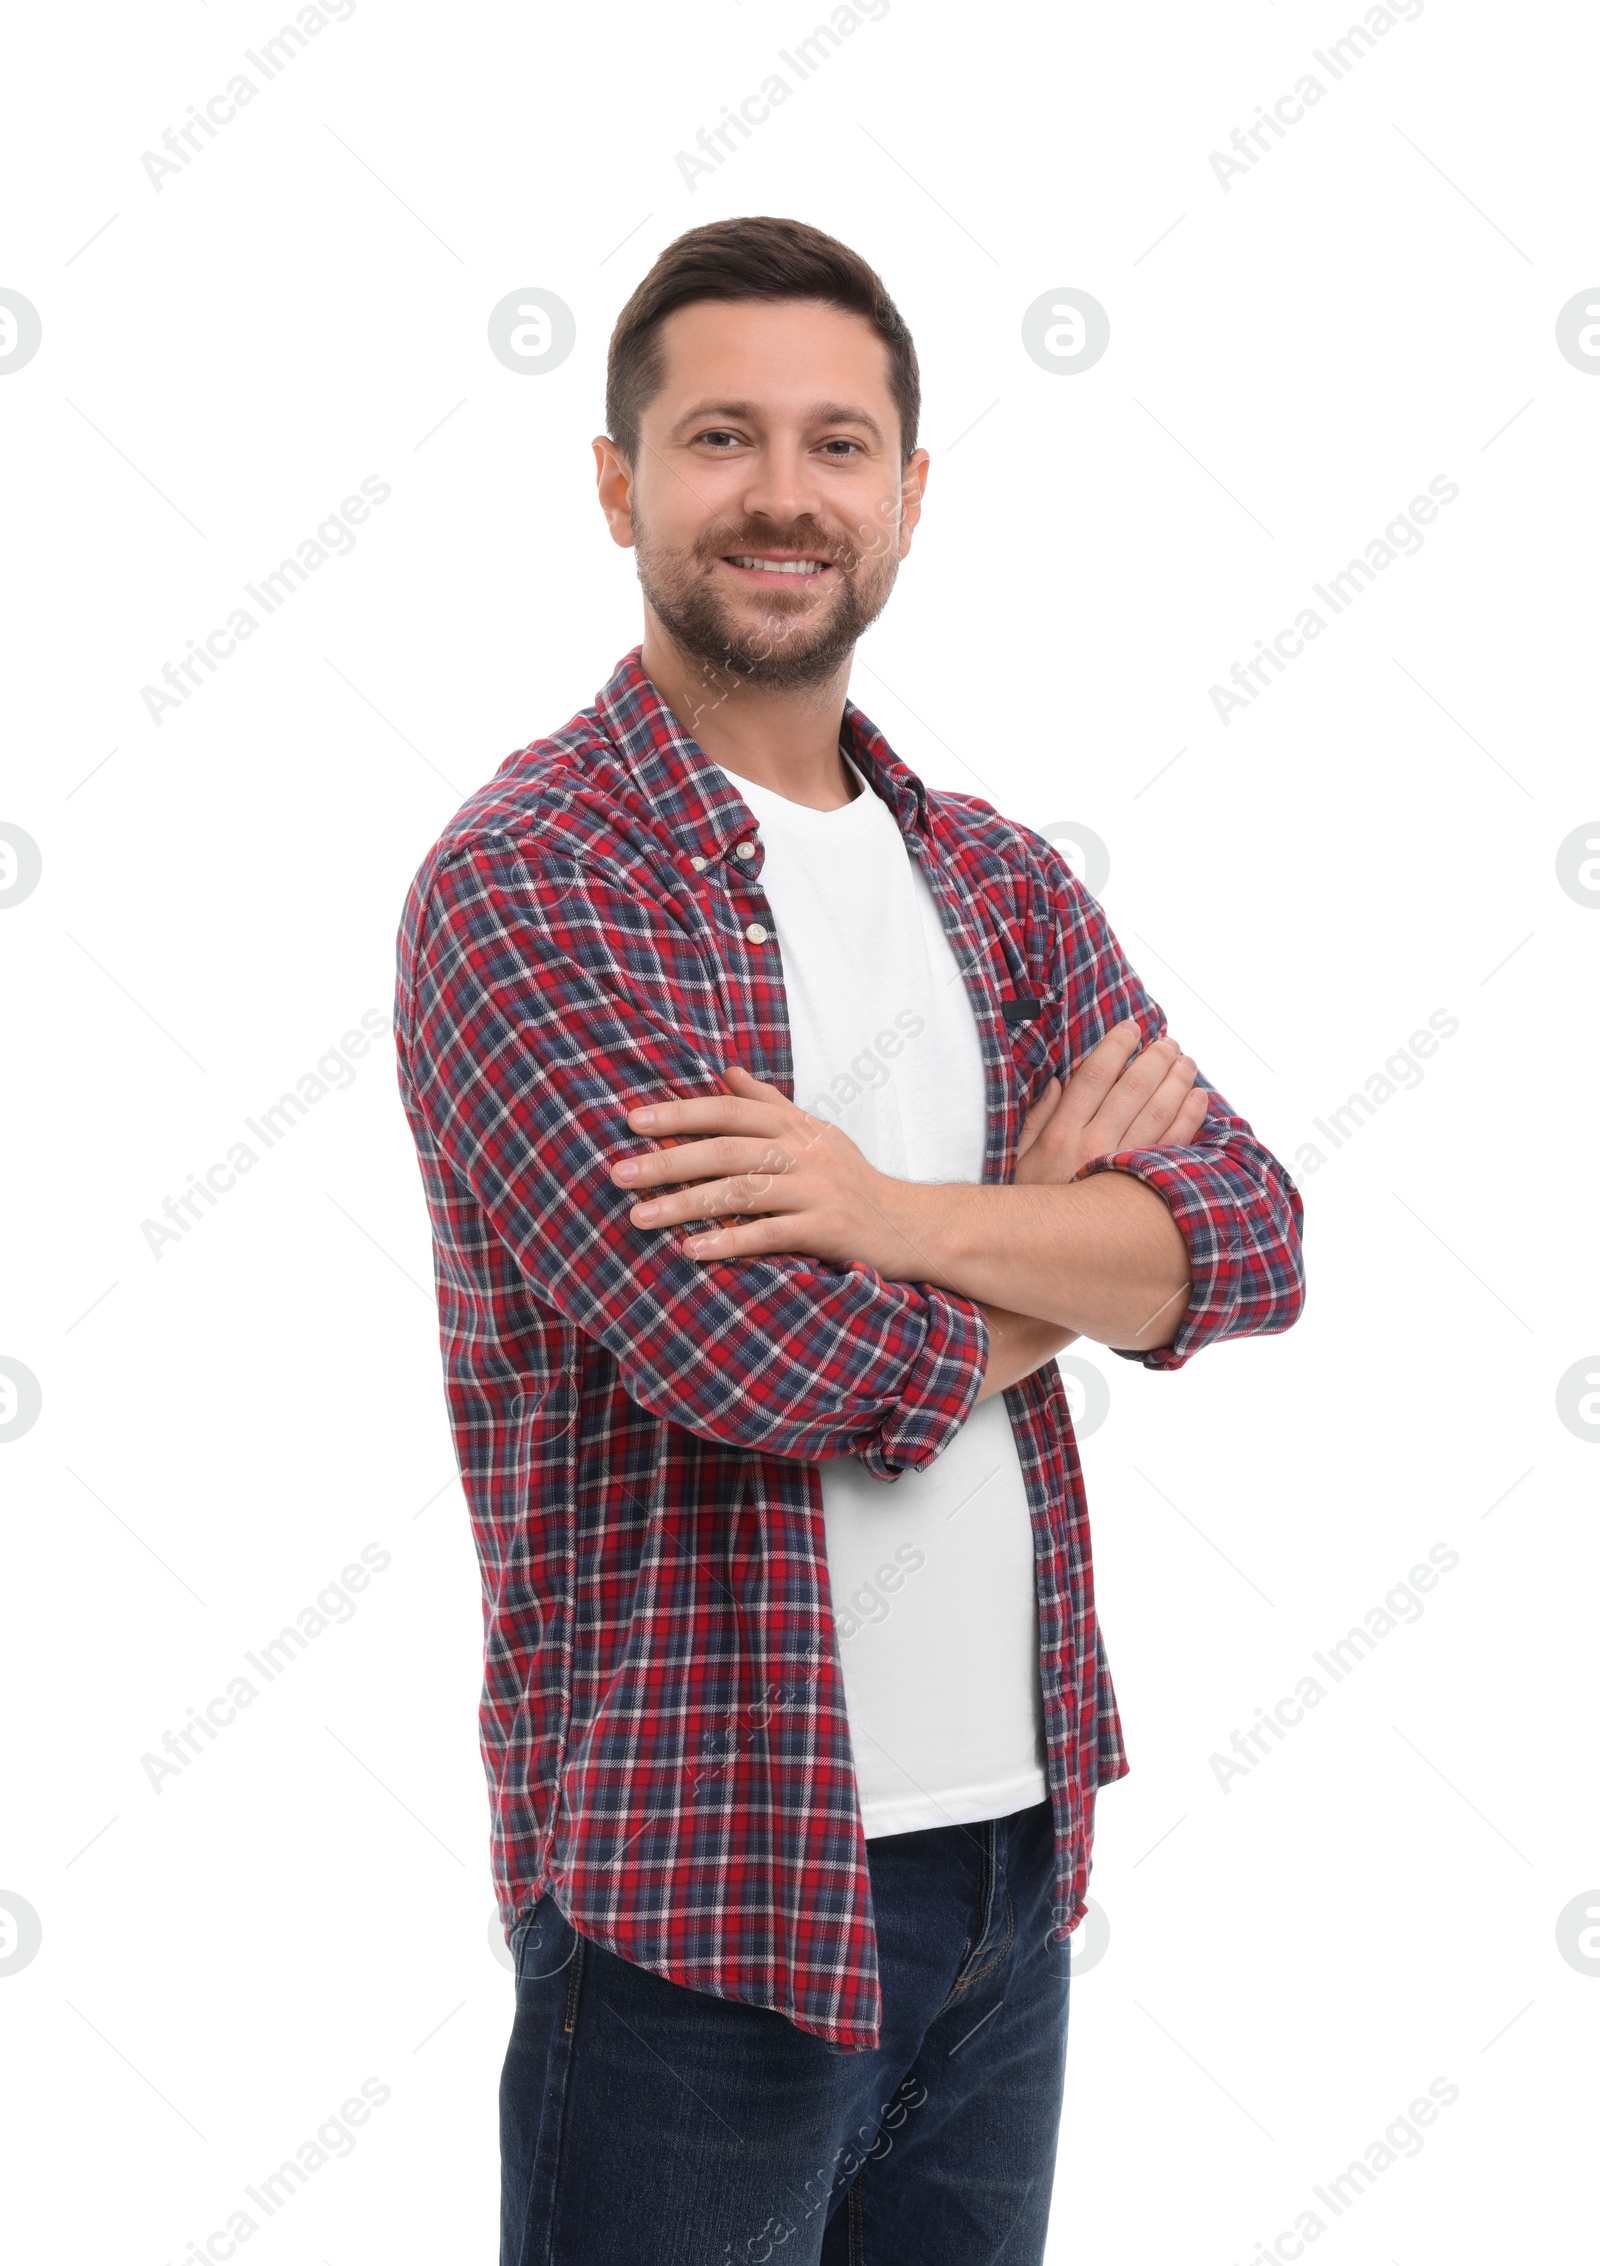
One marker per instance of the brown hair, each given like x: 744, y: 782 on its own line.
x: 757, y: 257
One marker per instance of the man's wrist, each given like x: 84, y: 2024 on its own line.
x: 931, y: 1220
x: 968, y: 1237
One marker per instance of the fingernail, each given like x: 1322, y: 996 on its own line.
x: 628, y: 1170
x: 644, y: 1212
x: 641, y: 1117
x: 696, y: 1244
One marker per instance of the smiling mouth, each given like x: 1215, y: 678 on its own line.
x: 755, y: 567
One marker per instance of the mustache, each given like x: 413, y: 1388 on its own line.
x: 753, y: 542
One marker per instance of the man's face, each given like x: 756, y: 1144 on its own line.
x: 768, y: 507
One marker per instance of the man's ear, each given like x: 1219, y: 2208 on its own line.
x: 913, y: 480
x: 614, y: 484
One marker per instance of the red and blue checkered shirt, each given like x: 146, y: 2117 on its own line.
x: 663, y: 1719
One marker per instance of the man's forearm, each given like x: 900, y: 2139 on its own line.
x: 1102, y: 1257
x: 1018, y: 1345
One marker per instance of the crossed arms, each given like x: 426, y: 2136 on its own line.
x: 541, y: 997
x: 1049, y: 1262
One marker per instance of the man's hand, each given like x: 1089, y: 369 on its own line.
x: 781, y: 1178
x: 1111, y: 1101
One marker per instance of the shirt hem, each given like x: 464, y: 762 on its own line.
x: 967, y: 1806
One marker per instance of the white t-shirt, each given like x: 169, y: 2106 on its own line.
x: 932, y: 1575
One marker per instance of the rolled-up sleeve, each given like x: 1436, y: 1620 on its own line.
x: 540, y: 1010
x: 1240, y: 1215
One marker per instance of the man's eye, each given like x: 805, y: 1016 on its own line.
x: 856, y: 445
x: 719, y: 436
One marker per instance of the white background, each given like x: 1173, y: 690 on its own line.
x: 223, y: 1427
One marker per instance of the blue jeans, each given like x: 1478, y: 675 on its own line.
x: 644, y: 2124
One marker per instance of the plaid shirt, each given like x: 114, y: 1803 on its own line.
x: 663, y: 1718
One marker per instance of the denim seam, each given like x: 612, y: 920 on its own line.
x: 562, y: 2094
x: 573, y: 1981
x: 855, y: 2204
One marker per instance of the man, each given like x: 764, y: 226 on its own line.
x: 779, y: 1121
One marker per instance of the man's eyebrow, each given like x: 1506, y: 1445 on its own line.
x: 820, y: 413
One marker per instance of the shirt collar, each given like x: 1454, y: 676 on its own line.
x: 697, y: 801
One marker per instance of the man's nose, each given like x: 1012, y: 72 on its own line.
x: 783, y: 485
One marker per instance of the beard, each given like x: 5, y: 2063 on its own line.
x: 797, y: 642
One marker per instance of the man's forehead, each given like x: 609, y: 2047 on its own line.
x: 746, y: 358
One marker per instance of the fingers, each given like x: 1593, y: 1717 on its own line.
x: 1191, y: 1117
x: 713, y: 1113
x: 714, y: 1200
x: 1173, y: 1114
x: 751, y: 1106
x: 1098, y: 1072
x: 748, y: 1239
x: 1132, y: 1093
x: 743, y: 1081
x: 752, y: 1176
x: 701, y: 1160
x: 758, y: 1176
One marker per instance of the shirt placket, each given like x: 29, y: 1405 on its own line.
x: 749, y: 937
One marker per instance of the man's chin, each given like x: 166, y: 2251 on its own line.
x: 791, y: 670
x: 768, y: 653
x: 791, y: 661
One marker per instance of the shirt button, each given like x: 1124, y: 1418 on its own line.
x: 699, y: 864
x: 745, y: 850
x: 755, y: 933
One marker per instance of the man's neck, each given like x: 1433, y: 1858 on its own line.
x: 787, y: 741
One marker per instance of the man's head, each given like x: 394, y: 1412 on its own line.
x: 762, y: 394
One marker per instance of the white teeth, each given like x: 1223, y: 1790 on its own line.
x: 782, y: 566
